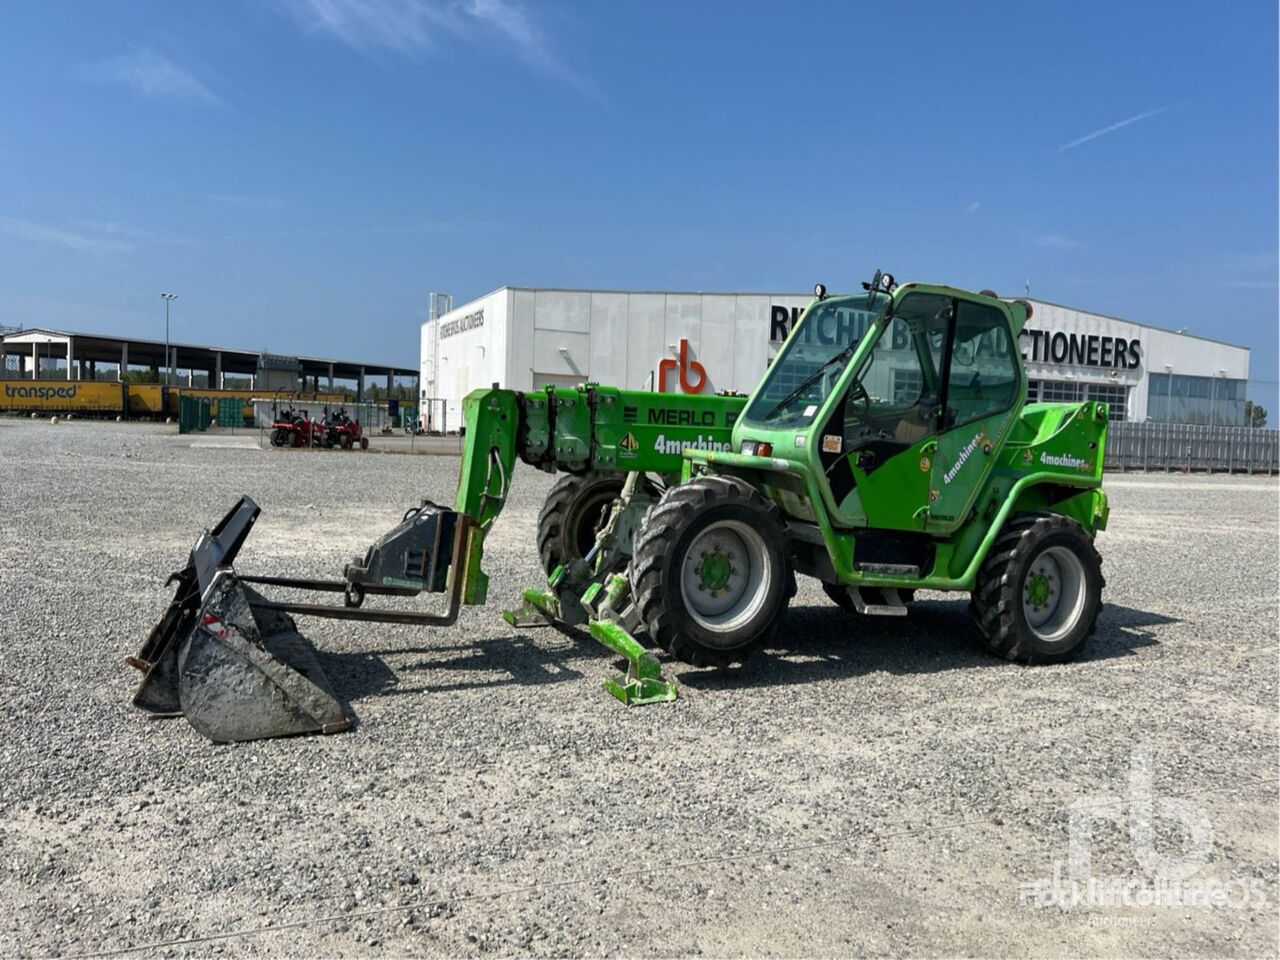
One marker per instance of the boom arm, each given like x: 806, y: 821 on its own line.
x: 582, y: 429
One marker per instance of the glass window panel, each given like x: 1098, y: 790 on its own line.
x: 983, y: 378
x: 1059, y: 391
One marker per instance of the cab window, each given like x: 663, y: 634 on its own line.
x: 894, y: 399
x: 983, y: 379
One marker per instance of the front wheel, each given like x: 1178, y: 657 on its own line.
x: 1039, y: 591
x: 711, y: 574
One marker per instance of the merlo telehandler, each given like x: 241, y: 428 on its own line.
x: 888, y: 449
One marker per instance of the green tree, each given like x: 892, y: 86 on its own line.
x: 149, y: 375
x: 1255, y: 415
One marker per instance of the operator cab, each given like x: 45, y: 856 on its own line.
x: 897, y: 378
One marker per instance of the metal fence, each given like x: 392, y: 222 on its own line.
x: 1192, y: 447
x: 372, y: 416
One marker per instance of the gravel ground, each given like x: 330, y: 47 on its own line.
x: 869, y: 786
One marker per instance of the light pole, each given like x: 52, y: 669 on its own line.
x: 168, y: 357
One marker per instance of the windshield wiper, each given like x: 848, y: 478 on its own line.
x: 810, y: 380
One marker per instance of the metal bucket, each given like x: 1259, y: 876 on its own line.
x: 222, y: 658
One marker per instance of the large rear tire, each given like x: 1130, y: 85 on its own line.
x: 1039, y: 592
x: 711, y: 574
x: 575, y: 510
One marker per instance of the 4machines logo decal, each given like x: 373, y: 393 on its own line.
x: 1065, y: 460
x: 662, y: 445
x: 979, y: 439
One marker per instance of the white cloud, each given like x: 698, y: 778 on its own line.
x: 972, y: 208
x: 1056, y: 241
x: 514, y: 23
x: 408, y: 26
x: 84, y: 242
x: 152, y: 75
x: 1103, y: 131
x: 396, y: 24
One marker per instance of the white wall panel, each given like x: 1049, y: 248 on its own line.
x: 472, y: 357
x: 716, y: 349
x: 563, y: 310
x: 519, y: 367
x: 562, y: 353
x: 609, y: 337
x: 646, y: 336
x: 751, y: 342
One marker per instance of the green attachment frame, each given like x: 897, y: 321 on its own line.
x: 644, y: 682
x: 541, y: 608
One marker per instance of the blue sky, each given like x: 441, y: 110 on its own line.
x: 304, y: 172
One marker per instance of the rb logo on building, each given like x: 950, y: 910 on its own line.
x: 682, y: 366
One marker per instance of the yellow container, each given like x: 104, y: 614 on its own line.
x: 62, y: 396
x: 146, y: 400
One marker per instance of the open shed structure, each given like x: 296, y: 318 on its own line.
x: 44, y: 354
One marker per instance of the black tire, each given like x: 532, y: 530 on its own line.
x: 574, y: 511
x: 663, y: 546
x: 838, y: 594
x: 279, y: 438
x: 1007, y: 579
x: 364, y: 443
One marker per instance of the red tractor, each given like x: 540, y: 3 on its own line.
x: 342, y: 431
x: 293, y: 428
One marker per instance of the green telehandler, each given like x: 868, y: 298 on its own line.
x: 888, y: 449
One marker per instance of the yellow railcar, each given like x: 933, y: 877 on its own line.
x: 151, y: 400
x: 62, y: 396
x: 141, y: 400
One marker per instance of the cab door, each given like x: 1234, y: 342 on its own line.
x: 980, y: 393
x: 877, y: 449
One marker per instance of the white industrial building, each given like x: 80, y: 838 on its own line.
x: 522, y: 338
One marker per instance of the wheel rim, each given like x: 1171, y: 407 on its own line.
x: 725, y: 576
x: 1054, y: 593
